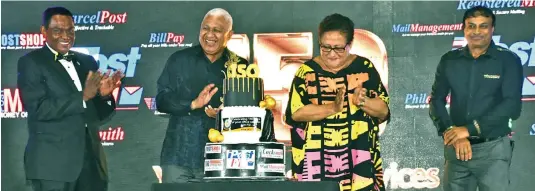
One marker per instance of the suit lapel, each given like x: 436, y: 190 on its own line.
x: 80, y: 70
x: 57, y: 67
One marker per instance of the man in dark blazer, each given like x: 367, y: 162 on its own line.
x: 188, y: 91
x: 66, y: 99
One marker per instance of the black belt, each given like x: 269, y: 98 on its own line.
x: 482, y: 140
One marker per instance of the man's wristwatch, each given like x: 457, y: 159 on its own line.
x: 447, y: 129
x: 476, y: 125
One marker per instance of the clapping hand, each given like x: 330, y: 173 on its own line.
x: 204, y: 97
x: 212, y: 112
x: 360, y: 97
x: 339, y: 101
x: 108, y: 84
x: 92, y: 85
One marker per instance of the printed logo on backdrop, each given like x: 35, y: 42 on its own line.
x: 151, y: 105
x: 532, y: 130
x: 21, y: 41
x: 499, y: 7
x: 116, y: 61
x: 101, y: 20
x: 166, y: 40
x: 407, y: 178
x: 111, y: 135
x: 12, y: 104
x: 418, y: 30
x: 420, y: 101
x: 525, y: 50
x: 127, y: 97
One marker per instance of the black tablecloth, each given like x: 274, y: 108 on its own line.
x: 248, y: 186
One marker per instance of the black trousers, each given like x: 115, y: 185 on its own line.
x: 180, y: 174
x: 88, y: 180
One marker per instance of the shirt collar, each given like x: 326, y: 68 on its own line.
x: 223, y: 56
x: 53, y: 51
x: 492, y: 51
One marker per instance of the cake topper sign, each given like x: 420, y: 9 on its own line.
x: 237, y: 70
x: 242, y: 71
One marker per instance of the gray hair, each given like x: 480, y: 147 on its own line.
x: 220, y: 12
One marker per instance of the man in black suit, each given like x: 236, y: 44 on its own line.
x: 66, y: 99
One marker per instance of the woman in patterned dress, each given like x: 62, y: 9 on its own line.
x: 337, y: 101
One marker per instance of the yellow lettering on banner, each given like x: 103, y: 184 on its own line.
x: 335, y: 137
x: 242, y: 70
x: 310, y: 143
x: 358, y: 128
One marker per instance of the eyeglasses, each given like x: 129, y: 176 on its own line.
x: 327, y: 49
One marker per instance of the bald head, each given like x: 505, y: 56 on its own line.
x: 219, y: 12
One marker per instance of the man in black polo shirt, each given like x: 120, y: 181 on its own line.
x: 188, y: 91
x: 485, y: 82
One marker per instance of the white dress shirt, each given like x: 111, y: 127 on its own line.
x: 69, y: 66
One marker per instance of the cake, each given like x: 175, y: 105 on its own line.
x: 247, y: 149
x: 242, y: 120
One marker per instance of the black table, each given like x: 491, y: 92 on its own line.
x: 248, y: 186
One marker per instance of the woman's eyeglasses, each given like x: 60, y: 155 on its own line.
x: 328, y: 49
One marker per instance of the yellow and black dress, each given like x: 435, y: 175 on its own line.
x: 343, y: 147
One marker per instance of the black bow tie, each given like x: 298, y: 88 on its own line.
x: 68, y: 57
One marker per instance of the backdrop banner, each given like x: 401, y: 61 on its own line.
x: 404, y: 40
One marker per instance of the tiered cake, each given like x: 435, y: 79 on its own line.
x: 249, y: 150
x: 242, y: 118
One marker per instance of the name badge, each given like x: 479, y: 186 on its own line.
x: 490, y: 76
